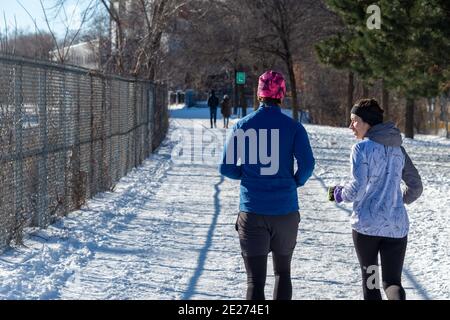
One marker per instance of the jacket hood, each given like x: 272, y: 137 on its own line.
x: 386, y: 134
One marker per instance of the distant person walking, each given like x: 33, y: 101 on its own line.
x: 379, y: 220
x: 225, y: 108
x: 268, y: 219
x: 213, y: 103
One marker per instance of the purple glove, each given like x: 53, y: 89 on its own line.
x: 338, y: 194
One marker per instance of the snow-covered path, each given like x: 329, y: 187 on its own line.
x: 167, y: 232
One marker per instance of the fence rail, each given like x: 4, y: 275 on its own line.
x: 66, y: 134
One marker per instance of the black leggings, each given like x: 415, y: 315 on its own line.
x: 392, y: 253
x: 256, y: 276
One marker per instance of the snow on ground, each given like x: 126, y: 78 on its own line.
x: 167, y: 230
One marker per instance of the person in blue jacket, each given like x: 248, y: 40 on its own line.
x: 260, y: 152
x: 379, y: 220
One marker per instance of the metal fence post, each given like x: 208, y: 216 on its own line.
x: 142, y: 124
x: 40, y: 219
x: 135, y: 125
x: 92, y: 190
x: 103, y: 177
x: 78, y: 179
x: 150, y: 106
x: 119, y: 133
x: 127, y: 150
x: 18, y: 163
x: 64, y: 125
x: 110, y: 111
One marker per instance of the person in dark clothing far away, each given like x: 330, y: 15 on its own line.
x: 269, y: 213
x: 225, y: 109
x: 213, y: 103
x: 379, y: 220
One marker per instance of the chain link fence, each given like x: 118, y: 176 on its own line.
x: 67, y: 134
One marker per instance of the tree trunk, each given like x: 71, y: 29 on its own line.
x: 447, y: 131
x: 443, y: 100
x: 295, y: 107
x: 243, y: 100
x: 119, y: 36
x: 235, y: 94
x: 385, y: 101
x: 365, y: 92
x: 152, y: 60
x: 255, y: 97
x: 350, y: 88
x: 151, y: 72
x: 409, y: 118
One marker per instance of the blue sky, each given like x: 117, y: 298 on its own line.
x: 12, y: 8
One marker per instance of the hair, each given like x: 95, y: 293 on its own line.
x: 269, y: 100
x: 370, y: 105
x: 369, y: 111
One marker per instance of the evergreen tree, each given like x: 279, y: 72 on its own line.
x: 410, y: 52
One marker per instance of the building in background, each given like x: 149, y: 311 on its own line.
x: 84, y: 54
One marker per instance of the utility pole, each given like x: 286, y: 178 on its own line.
x: 240, y: 83
x: 235, y: 93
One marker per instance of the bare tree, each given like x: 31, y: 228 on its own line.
x: 25, y: 43
x: 280, y: 32
x: 215, y: 42
x: 70, y: 33
x: 210, y: 44
x: 28, y: 45
x: 138, y: 29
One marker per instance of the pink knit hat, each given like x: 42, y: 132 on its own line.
x: 271, y: 85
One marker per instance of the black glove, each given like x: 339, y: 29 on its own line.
x: 331, y: 193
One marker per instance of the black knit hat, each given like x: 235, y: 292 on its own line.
x: 369, y: 111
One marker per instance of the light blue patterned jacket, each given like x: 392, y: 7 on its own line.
x: 378, y: 165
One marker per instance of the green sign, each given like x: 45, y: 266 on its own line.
x: 240, y: 77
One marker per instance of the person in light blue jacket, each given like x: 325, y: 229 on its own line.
x: 379, y: 221
x: 260, y: 152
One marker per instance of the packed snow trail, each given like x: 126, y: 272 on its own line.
x: 167, y: 231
